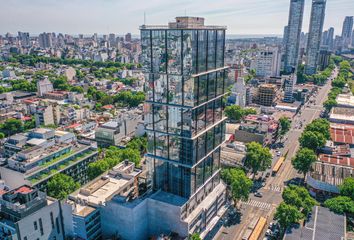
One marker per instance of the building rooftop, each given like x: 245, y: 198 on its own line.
x: 337, y: 160
x: 345, y: 100
x: 117, y: 181
x: 323, y: 225
x: 185, y: 22
x: 341, y: 133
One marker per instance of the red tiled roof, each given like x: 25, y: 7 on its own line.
x: 23, y: 189
x: 26, y: 118
x: 75, y: 125
x: 342, y: 134
x: 338, y: 160
x: 107, y: 107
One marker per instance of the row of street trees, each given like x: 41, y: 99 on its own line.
x: 297, y: 202
x: 297, y: 205
x: 239, y: 184
x: 338, y: 84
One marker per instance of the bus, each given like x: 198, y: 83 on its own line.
x: 277, y: 165
x: 257, y: 231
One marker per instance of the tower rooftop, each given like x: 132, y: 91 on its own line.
x: 186, y: 22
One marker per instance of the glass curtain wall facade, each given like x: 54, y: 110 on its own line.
x: 315, y: 35
x: 292, y: 35
x: 185, y: 84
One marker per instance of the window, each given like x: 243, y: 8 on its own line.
x: 202, y: 50
x: 35, y: 225
x: 175, y: 89
x: 160, y: 117
x: 52, y: 219
x: 211, y: 49
x: 41, y: 226
x: 159, y: 51
x: 189, y: 51
x: 203, y: 84
x: 58, y: 225
x: 211, y: 85
x: 25, y: 238
x: 146, y: 50
x: 174, y: 48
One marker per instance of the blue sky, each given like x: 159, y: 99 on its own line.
x: 121, y: 16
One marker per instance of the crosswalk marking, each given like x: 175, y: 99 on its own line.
x: 258, y: 204
x: 275, y: 188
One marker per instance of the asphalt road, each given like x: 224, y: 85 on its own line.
x: 265, y: 206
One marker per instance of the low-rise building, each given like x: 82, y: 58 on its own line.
x: 90, y: 216
x: 322, y: 225
x: 345, y: 100
x: 328, y: 173
x: 36, y: 165
x: 27, y: 213
x: 257, y: 128
x: 342, y: 115
x: 112, y: 133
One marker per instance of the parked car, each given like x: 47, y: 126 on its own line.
x: 258, y: 194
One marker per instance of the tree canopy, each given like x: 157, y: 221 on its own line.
x: 320, y: 126
x: 312, y: 140
x: 344, y: 203
x: 300, y: 198
x: 340, y: 204
x: 258, y: 158
x: 240, y: 185
x: 347, y: 188
x: 303, y: 160
x: 236, y: 112
x: 287, y: 215
x: 61, y: 185
x: 285, y: 125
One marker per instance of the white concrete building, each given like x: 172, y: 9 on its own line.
x: 267, y: 63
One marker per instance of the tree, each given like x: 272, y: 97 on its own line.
x: 285, y: 124
x: 2, y: 135
x: 340, y: 205
x: 312, y: 140
x: 300, y: 198
x: 240, y: 185
x: 303, y: 160
x: 329, y: 104
x: 61, y: 185
x: 347, y: 188
x: 12, y: 126
x: 195, y: 236
x: 287, y: 215
x: 258, y: 158
x: 97, y: 168
x: 321, y: 126
x: 236, y: 113
x: 339, y: 82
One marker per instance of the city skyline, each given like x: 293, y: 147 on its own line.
x: 241, y: 17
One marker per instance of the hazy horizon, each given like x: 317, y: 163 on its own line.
x: 242, y: 17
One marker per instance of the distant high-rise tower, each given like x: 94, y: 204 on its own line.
x: 291, y: 56
x: 347, y: 31
x: 330, y: 38
x: 45, y: 40
x: 315, y: 34
x: 24, y: 39
x: 185, y: 85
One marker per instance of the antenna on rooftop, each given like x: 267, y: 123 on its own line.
x: 185, y: 12
x: 144, y: 18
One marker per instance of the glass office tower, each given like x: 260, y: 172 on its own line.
x: 185, y: 85
x: 315, y: 34
x: 292, y: 35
